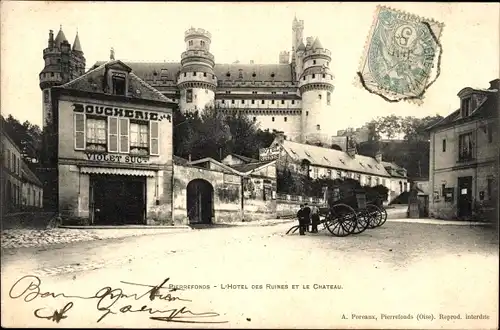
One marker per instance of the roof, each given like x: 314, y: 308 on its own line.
x: 485, y: 109
x: 301, y: 46
x: 29, y: 175
x: 399, y: 171
x: 76, y: 44
x: 332, y: 158
x: 211, y: 160
x: 246, y: 168
x: 60, y: 37
x: 180, y: 161
x: 317, y: 44
x: 92, y: 81
x: 245, y: 159
x: 263, y: 72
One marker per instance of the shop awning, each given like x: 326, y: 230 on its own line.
x: 117, y: 171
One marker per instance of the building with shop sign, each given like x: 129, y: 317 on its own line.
x: 318, y: 162
x: 109, y: 147
x: 464, y: 156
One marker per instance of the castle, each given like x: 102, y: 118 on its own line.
x: 293, y: 96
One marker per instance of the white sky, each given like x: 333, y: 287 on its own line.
x: 244, y: 31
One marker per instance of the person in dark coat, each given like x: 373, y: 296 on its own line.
x: 314, y: 219
x: 307, y: 216
x: 300, y: 217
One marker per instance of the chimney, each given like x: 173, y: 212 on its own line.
x: 378, y: 156
x: 280, y: 137
x: 51, y: 38
x: 495, y: 84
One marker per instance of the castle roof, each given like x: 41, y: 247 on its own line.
x: 301, y: 46
x: 60, y: 37
x: 317, y: 44
x: 93, y: 82
x: 263, y: 72
x: 331, y: 158
x: 76, y: 44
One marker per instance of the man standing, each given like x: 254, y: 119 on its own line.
x: 300, y: 217
x: 314, y: 219
x: 307, y: 216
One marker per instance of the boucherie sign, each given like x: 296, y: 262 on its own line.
x: 115, y: 112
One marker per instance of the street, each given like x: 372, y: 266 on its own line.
x: 401, y: 275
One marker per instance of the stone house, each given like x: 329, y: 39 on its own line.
x: 464, y: 155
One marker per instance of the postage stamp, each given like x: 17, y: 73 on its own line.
x: 402, y: 56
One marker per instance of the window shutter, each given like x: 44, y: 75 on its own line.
x: 154, y: 138
x: 112, y: 134
x: 79, y: 127
x: 124, y: 135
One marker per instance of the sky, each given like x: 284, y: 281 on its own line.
x: 255, y: 31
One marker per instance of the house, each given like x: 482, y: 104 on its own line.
x: 109, y: 149
x: 464, y: 155
x: 318, y: 162
x: 208, y: 191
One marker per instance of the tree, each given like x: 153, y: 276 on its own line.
x: 27, y: 136
x: 213, y: 134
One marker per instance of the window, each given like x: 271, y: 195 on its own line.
x: 358, y: 177
x: 444, y: 145
x: 314, y: 76
x: 223, y: 101
x: 242, y: 101
x: 293, y: 101
x: 118, y: 83
x: 285, y: 119
x: 339, y: 174
x: 190, y: 42
x: 139, y: 136
x: 194, y: 74
x: 490, y: 188
x: 228, y: 92
x: 272, y: 118
x: 273, y: 92
x: 254, y: 119
x: 189, y: 96
x: 204, y: 74
x: 282, y: 101
x: 369, y: 180
x: 202, y: 43
x: 466, y: 107
x: 263, y: 101
x: 240, y: 74
x: 185, y: 74
x: 314, y: 61
x: 318, y: 127
x: 320, y: 96
x: 490, y: 133
x: 285, y: 92
x: 465, y: 147
x: 96, y: 131
x: 46, y: 96
x: 232, y: 101
x: 328, y: 98
x: 377, y: 181
x: 272, y: 101
x: 328, y: 173
x: 254, y: 92
x: 316, y: 172
x: 324, y: 75
x: 307, y: 113
x: 253, y: 101
x: 443, y: 187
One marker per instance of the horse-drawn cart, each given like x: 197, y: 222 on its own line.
x: 346, y: 211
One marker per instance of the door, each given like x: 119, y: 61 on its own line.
x: 464, y: 201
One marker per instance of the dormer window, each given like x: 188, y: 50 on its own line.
x: 466, y: 107
x: 118, y: 83
x: 240, y: 74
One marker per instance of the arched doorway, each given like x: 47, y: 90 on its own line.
x: 200, y: 201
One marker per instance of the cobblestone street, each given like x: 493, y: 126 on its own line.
x: 427, y: 266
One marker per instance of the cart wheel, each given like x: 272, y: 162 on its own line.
x: 384, y: 215
x: 292, y: 229
x: 375, y: 216
x: 363, y: 221
x: 341, y: 220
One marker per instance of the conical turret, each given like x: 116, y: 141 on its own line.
x: 60, y: 37
x: 77, y: 47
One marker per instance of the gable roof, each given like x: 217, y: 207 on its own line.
x: 211, y: 160
x: 245, y: 159
x: 93, y: 81
x: 486, y: 109
x: 251, y: 167
x: 332, y: 158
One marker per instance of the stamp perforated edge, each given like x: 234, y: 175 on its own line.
x: 357, y: 83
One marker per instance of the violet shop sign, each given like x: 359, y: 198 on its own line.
x: 129, y: 159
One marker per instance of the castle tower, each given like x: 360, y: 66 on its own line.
x: 62, y: 64
x: 316, y: 87
x: 197, y: 81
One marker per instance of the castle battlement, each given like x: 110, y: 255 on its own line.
x: 317, y: 51
x: 197, y: 32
